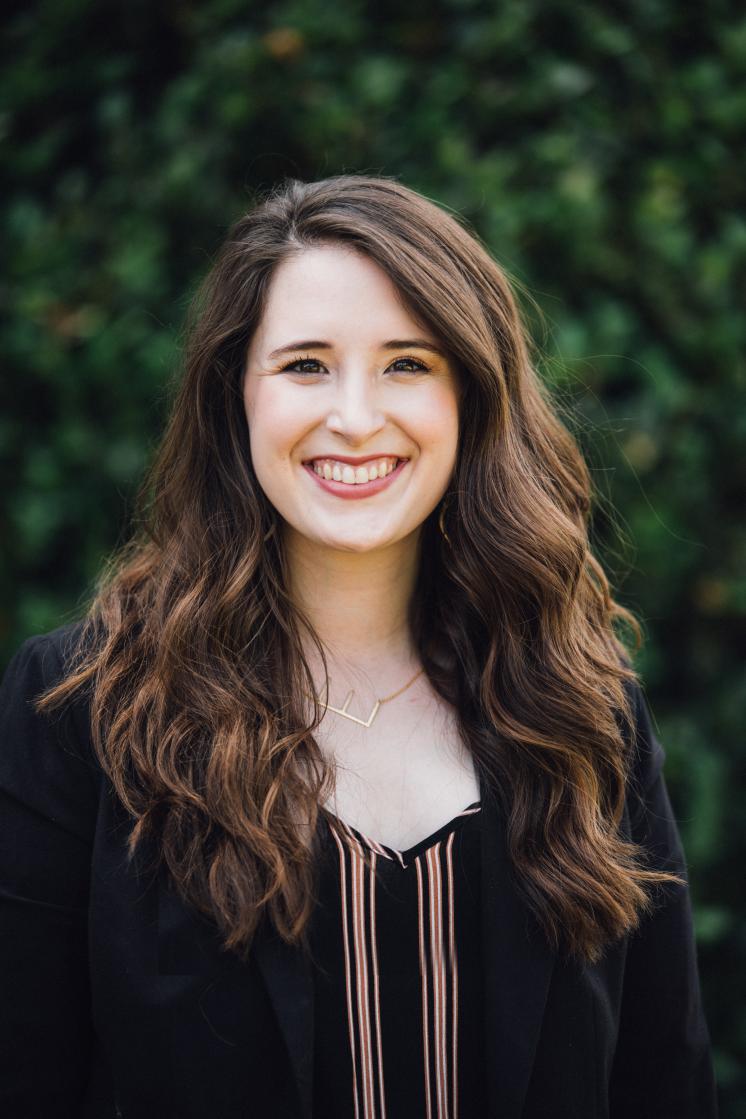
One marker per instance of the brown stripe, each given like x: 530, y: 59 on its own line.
x: 374, y: 956
x: 454, y: 975
x: 348, y: 967
x: 424, y: 982
x: 355, y: 835
x: 361, y: 974
x: 439, y: 991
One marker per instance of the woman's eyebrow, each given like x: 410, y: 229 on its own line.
x: 394, y: 344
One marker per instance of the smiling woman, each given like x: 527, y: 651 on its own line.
x: 344, y: 797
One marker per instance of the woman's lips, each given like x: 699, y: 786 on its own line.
x: 362, y: 489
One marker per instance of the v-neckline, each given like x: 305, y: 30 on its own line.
x: 404, y: 857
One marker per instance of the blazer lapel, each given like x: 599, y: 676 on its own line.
x: 289, y: 982
x: 189, y: 944
x: 518, y: 964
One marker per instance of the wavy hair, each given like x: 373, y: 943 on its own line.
x: 190, y: 645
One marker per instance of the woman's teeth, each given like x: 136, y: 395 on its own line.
x: 354, y: 475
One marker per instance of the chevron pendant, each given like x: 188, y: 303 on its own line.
x: 343, y: 710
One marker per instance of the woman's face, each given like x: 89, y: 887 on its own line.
x: 338, y: 369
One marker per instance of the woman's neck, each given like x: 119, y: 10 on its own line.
x: 358, y: 604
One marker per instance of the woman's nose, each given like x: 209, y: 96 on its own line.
x: 355, y: 409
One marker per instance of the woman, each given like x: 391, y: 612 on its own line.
x: 344, y: 798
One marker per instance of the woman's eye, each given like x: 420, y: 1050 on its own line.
x: 293, y: 367
x: 411, y: 361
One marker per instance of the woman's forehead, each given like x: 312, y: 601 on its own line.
x: 335, y: 297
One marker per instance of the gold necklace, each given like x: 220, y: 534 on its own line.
x: 364, y: 722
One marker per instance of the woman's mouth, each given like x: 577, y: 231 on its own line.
x: 346, y: 481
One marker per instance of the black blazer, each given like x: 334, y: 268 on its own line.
x: 117, y: 1000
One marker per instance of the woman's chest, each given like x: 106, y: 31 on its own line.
x: 401, y: 779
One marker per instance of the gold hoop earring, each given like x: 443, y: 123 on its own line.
x: 443, y: 532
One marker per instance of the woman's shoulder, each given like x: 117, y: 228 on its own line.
x: 647, y: 756
x: 52, y: 650
x: 39, y: 663
x: 46, y: 757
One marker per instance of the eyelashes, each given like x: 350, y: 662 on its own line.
x: 290, y: 367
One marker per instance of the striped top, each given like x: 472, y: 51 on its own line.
x: 397, y: 977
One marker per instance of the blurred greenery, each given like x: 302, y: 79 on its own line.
x: 593, y: 146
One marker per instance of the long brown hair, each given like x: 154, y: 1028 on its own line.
x: 190, y: 645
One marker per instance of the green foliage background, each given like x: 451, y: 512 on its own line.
x: 593, y: 146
